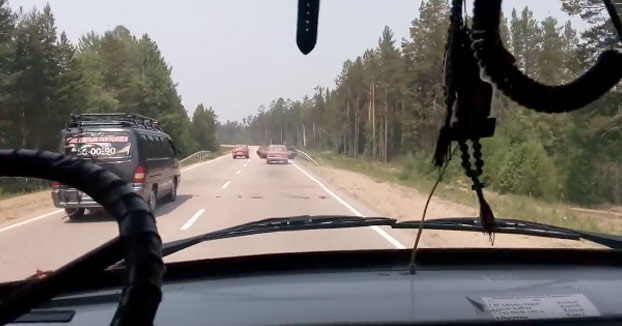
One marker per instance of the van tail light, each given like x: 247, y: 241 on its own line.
x: 139, y: 174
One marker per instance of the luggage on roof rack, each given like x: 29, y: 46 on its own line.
x: 125, y: 119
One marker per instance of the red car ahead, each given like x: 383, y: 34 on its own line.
x: 277, y: 153
x: 240, y: 151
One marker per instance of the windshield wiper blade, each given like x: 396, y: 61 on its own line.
x: 511, y: 226
x: 278, y: 224
x: 318, y: 222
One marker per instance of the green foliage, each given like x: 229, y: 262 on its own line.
x: 528, y: 170
x: 44, y: 78
x: 203, y: 128
x: 388, y: 104
x: 233, y: 132
x: 409, y: 167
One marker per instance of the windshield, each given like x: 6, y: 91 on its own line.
x: 194, y: 106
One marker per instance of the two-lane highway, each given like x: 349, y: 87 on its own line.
x: 216, y: 194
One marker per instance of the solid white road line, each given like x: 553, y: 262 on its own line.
x: 31, y: 220
x: 380, y: 231
x: 192, y: 219
x: 226, y: 185
x: 61, y: 210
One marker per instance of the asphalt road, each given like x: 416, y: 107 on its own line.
x: 213, y: 195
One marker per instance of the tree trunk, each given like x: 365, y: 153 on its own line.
x: 386, y: 127
x: 386, y: 134
x: 356, y: 127
x: 373, y: 119
x: 313, y: 136
x: 22, y: 116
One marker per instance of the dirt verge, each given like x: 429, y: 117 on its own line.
x: 19, y: 206
x: 404, y: 203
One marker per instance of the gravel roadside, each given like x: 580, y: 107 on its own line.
x: 406, y: 203
x: 25, y: 205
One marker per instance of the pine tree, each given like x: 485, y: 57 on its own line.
x: 601, y: 34
x: 7, y: 114
x: 550, y: 58
x: 423, y: 53
x: 203, y: 128
x: 526, y: 41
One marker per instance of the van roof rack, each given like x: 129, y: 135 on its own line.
x: 114, y: 119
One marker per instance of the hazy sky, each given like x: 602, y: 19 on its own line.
x: 235, y: 55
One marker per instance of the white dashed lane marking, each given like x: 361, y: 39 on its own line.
x: 192, y: 219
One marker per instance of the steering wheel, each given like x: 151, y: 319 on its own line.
x: 138, y: 241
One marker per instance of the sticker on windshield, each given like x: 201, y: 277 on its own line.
x: 98, y: 144
x: 541, y: 307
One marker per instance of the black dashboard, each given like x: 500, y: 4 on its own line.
x: 375, y: 287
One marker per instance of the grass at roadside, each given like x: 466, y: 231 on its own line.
x: 8, y: 195
x: 456, y: 189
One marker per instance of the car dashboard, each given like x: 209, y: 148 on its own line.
x: 372, y: 288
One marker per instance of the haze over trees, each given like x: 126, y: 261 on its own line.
x: 388, y: 103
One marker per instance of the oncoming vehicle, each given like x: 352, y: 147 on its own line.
x: 240, y: 151
x: 132, y: 146
x: 262, y: 151
x: 277, y: 154
x: 292, y: 152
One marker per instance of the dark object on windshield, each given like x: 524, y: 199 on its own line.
x: 138, y: 242
x: 306, y: 31
x: 468, y: 100
x: 132, y: 146
x: 498, y: 64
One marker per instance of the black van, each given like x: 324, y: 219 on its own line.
x: 130, y: 145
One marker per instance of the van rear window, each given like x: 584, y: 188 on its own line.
x: 98, y: 144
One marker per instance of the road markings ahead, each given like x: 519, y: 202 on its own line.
x: 61, y: 210
x: 238, y: 171
x: 31, y: 220
x: 226, y: 185
x: 192, y: 219
x: 380, y: 231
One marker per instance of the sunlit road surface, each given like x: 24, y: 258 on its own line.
x: 213, y: 195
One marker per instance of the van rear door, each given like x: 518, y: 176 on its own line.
x: 110, y: 149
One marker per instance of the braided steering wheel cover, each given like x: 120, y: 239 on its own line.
x: 138, y: 238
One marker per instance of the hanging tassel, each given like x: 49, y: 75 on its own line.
x: 486, y: 216
x: 443, y: 146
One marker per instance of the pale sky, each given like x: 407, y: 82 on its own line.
x: 235, y: 55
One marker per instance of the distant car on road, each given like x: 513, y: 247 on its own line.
x: 262, y: 151
x: 240, y: 151
x: 277, y: 153
x: 291, y: 152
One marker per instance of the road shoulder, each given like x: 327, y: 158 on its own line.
x: 404, y: 203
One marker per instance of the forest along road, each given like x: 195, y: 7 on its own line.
x: 213, y: 195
